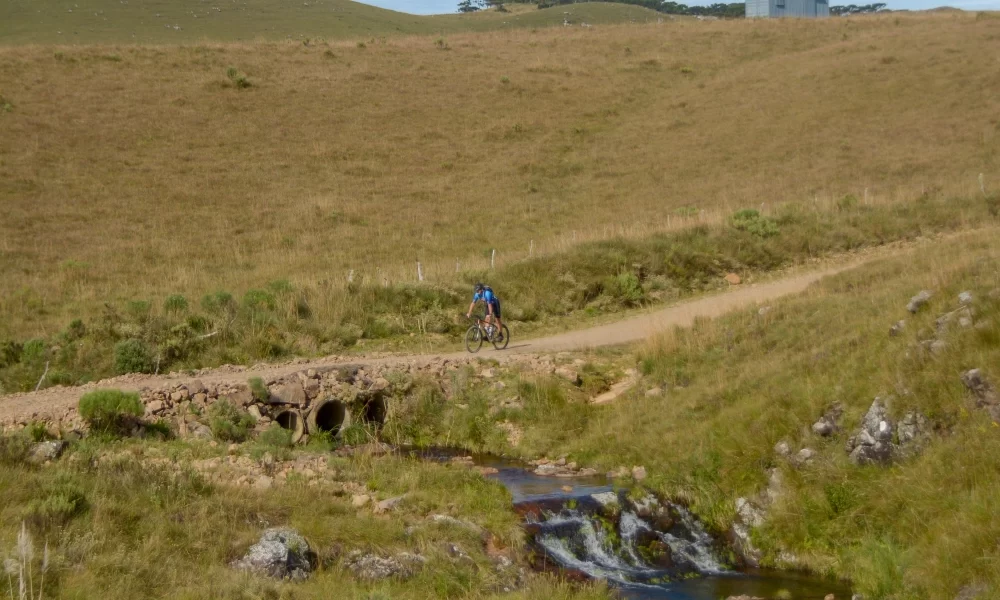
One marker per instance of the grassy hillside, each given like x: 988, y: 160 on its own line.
x: 133, y: 173
x: 727, y: 391
x: 192, y: 21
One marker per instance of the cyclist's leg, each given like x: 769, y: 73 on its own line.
x: 499, y: 317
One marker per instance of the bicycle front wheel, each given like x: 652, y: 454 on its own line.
x: 500, y: 345
x: 473, y: 339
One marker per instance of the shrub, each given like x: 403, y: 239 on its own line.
x: 10, y: 354
x: 110, y: 411
x: 847, y: 202
x: 238, y: 79
x: 752, y: 222
x: 5, y: 105
x: 33, y: 352
x: 358, y: 433
x: 993, y: 204
x: 63, y: 500
x: 228, y: 422
x: 14, y: 448
x: 255, y: 300
x: 505, y: 80
x: 76, y: 330
x: 132, y: 356
x: 218, y: 303
x: 139, y: 310
x: 259, y: 390
x: 175, y: 304
x: 626, y: 289
x: 276, y: 436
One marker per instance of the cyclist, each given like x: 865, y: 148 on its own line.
x: 485, y: 294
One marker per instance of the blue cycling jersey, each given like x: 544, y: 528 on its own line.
x: 486, y: 296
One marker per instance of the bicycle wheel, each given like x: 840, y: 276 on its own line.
x: 473, y: 339
x: 506, y: 339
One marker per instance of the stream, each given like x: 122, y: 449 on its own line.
x: 646, y: 548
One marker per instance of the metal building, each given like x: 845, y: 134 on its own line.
x: 788, y: 8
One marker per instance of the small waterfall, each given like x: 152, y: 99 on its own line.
x: 693, y: 543
x: 624, y: 543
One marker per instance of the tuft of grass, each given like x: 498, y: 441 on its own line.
x: 238, y: 79
x: 228, y: 422
x: 258, y: 389
x: 110, y: 411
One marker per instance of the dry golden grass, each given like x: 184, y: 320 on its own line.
x: 136, y: 172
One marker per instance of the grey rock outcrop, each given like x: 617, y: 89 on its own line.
x: 983, y: 392
x: 898, y: 328
x: 43, y: 452
x: 919, y: 301
x: 873, y: 442
x: 829, y: 423
x: 281, y: 553
x: 372, y: 567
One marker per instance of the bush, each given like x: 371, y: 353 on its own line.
x: 10, y: 354
x: 276, y: 436
x: 132, y: 356
x: 228, y: 422
x: 63, y: 500
x: 752, y: 222
x: 33, y: 352
x: 14, y: 448
x: 238, y: 79
x: 256, y: 300
x: 259, y: 390
x: 626, y: 289
x: 993, y: 204
x: 76, y: 330
x: 175, y: 304
x: 847, y: 202
x: 110, y: 411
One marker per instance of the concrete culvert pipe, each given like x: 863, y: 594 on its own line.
x: 374, y: 411
x: 329, y: 416
x: 292, y: 420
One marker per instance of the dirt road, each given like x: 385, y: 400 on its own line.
x: 54, y: 402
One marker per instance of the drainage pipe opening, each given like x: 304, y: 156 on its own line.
x: 329, y: 416
x: 292, y: 420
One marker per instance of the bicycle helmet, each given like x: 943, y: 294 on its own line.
x: 480, y: 287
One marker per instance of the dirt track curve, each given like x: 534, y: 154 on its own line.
x: 55, y: 401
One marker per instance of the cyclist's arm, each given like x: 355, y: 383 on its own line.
x: 468, y: 315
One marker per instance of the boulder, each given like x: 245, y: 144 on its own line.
x: 919, y: 301
x: 289, y: 393
x: 243, y: 397
x: 568, y: 374
x: 372, y: 567
x: 782, y: 449
x: 829, y: 423
x: 155, y: 407
x: 898, y: 328
x: 965, y: 298
x: 981, y: 389
x: 805, y: 455
x: 733, y: 279
x: 638, y: 473
x: 281, y: 553
x: 43, y: 452
x: 199, y: 431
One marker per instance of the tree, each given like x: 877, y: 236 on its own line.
x: 468, y: 6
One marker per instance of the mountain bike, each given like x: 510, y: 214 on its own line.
x: 480, y: 331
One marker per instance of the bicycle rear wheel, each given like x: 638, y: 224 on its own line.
x: 500, y: 345
x: 473, y: 339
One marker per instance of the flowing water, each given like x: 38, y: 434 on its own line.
x: 647, y: 548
